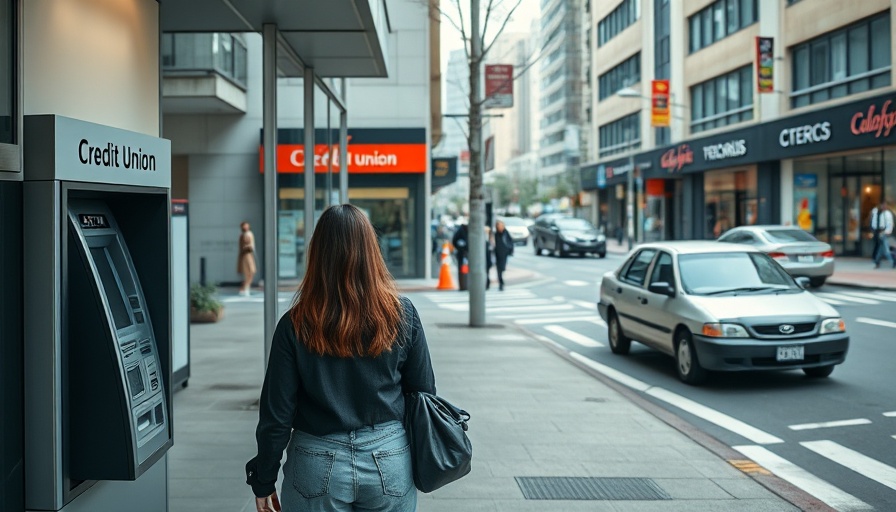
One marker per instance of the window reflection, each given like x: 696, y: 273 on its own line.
x: 7, y: 78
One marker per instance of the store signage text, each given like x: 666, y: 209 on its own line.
x: 806, y: 134
x: 362, y: 158
x: 676, y: 158
x: 112, y: 155
x: 878, y: 123
x: 731, y: 149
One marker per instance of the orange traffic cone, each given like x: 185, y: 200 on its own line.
x: 445, y: 281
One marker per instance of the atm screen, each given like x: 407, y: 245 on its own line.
x: 135, y: 379
x: 113, y: 290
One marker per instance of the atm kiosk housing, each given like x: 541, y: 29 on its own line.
x: 96, y: 320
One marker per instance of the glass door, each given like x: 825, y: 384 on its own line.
x: 853, y: 198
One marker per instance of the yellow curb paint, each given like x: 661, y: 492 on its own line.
x: 749, y: 467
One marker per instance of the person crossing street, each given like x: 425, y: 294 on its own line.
x: 503, y: 247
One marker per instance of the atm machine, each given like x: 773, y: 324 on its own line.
x: 97, y: 317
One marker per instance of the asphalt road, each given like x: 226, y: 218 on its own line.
x: 780, y: 419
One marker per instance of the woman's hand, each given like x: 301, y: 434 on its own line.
x: 269, y: 504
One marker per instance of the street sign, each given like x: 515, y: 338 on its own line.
x: 498, y: 86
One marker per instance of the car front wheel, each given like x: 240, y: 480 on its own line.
x: 619, y: 342
x: 819, y: 372
x: 686, y: 362
x: 816, y: 282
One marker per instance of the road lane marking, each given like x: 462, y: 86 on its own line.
x: 861, y: 464
x: 875, y: 296
x: 576, y: 282
x: 616, y: 375
x: 830, y: 424
x: 701, y: 411
x: 713, y: 416
x: 591, y: 306
x: 573, y: 336
x: 890, y: 414
x: 874, y: 321
x: 801, y: 478
x: 841, y: 297
x: 553, y: 319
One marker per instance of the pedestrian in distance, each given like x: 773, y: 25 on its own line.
x: 459, y: 241
x: 882, y: 227
x: 503, y: 244
x: 488, y: 257
x: 342, y: 359
x: 245, y: 264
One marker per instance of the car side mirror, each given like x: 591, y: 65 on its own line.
x: 555, y: 228
x: 662, y: 288
x: 803, y: 282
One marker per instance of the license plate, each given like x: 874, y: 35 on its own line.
x: 805, y: 258
x: 796, y: 353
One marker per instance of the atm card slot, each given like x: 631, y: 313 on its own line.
x: 128, y: 346
x: 144, y: 421
x: 145, y: 350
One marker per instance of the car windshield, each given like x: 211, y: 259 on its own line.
x: 786, y: 236
x: 732, y: 272
x: 513, y: 221
x: 574, y: 224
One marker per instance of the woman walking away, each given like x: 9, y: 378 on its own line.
x: 333, y: 395
x: 503, y: 244
x: 245, y: 264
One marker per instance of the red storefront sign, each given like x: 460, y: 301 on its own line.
x: 362, y: 158
x: 879, y: 123
x: 676, y: 158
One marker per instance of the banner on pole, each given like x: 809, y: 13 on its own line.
x: 659, y: 103
x: 498, y: 86
x: 765, y: 64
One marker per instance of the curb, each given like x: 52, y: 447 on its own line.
x: 778, y: 486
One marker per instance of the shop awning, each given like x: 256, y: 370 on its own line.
x: 338, y: 38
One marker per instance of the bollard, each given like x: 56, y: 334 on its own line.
x: 202, y: 271
x: 463, y: 275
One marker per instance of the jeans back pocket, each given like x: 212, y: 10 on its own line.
x: 395, y: 470
x: 311, y: 471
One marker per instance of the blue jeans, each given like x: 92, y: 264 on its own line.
x: 367, y: 469
x: 883, y: 249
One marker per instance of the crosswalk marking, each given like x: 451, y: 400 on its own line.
x: 576, y: 282
x: 801, y: 478
x: 591, y: 306
x: 873, y: 296
x: 830, y: 424
x: 514, y: 308
x: 874, y: 321
x: 842, y: 297
x: 553, y: 319
x: 861, y: 464
x: 891, y: 414
x: 573, y: 336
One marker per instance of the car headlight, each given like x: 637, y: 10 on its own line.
x: 832, y: 325
x: 717, y: 330
x: 601, y: 238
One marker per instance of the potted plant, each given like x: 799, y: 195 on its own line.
x: 204, y: 305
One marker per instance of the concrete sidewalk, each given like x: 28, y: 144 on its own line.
x: 848, y: 271
x: 533, y: 415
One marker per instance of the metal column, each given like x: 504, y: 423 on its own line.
x: 271, y: 272
x: 343, y: 145
x: 308, y: 85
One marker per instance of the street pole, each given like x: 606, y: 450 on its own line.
x: 630, y: 192
x: 476, y: 224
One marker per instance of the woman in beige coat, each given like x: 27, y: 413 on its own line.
x: 245, y: 264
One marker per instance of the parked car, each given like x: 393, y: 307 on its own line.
x: 724, y: 307
x: 518, y: 229
x: 800, y: 253
x: 562, y: 235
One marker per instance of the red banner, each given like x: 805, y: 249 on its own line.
x: 498, y: 86
x: 765, y: 64
x: 659, y: 103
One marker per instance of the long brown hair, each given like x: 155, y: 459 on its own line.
x: 347, y: 303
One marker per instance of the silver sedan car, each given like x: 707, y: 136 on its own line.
x: 800, y: 253
x: 723, y: 307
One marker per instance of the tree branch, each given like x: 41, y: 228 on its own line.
x: 488, y: 14
x: 501, y: 29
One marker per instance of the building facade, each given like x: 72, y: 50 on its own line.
x: 216, y: 140
x: 560, y: 89
x: 814, y: 151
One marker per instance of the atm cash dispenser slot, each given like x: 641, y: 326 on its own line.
x: 119, y: 423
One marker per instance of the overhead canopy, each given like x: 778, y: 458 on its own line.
x: 338, y: 38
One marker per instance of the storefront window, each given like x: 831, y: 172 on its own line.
x: 7, y: 74
x: 846, y: 189
x: 730, y: 200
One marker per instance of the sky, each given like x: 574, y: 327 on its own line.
x: 520, y: 22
